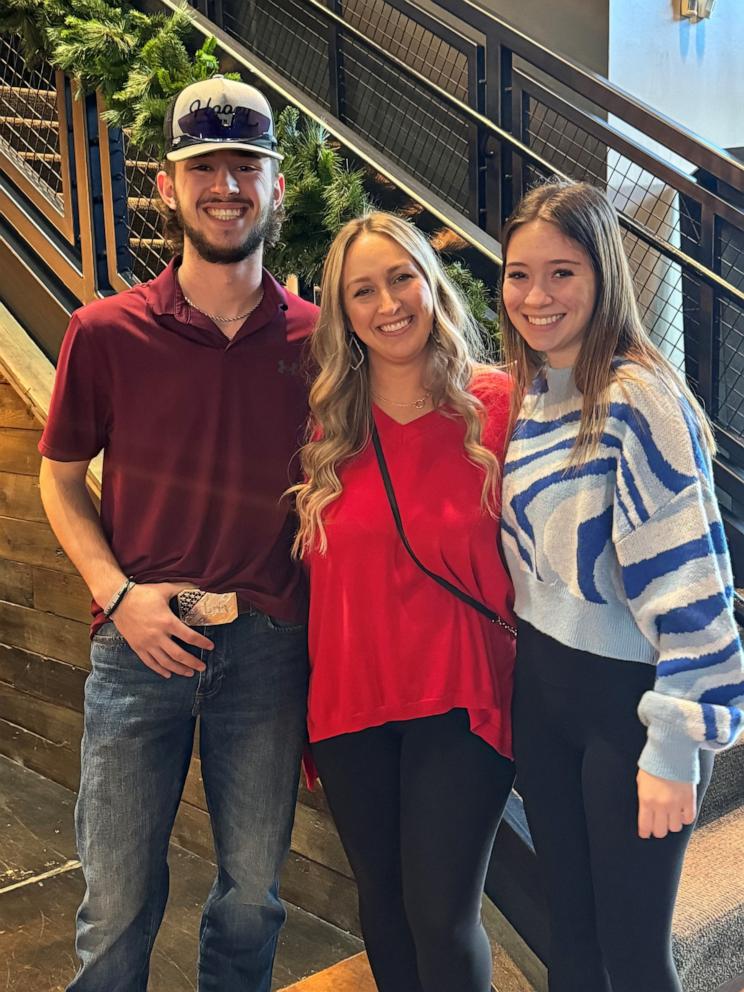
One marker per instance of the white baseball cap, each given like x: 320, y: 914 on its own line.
x: 206, y: 116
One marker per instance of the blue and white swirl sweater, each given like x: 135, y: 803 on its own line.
x: 625, y: 556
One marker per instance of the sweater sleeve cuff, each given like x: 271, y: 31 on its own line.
x: 670, y: 753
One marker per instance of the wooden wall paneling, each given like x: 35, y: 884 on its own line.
x: 305, y: 883
x: 58, y: 724
x: 317, y: 875
x: 62, y: 593
x: 16, y: 583
x: 18, y: 451
x: 20, y: 497
x: 41, y: 735
x: 42, y: 756
x: 32, y: 543
x: 314, y: 835
x: 13, y: 411
x: 43, y: 678
x: 320, y: 891
x: 193, y: 792
x: 315, y: 838
x: 315, y: 799
x: 45, y: 634
x: 193, y: 831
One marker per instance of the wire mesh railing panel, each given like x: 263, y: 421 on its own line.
x: 408, y: 123
x: 668, y: 295
x: 29, y: 126
x: 149, y: 252
x: 729, y: 261
x: 636, y: 192
x: 411, y: 42
x: 288, y: 36
x: 669, y: 303
x: 730, y: 413
x: 561, y: 143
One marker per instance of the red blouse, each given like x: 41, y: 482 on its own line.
x: 386, y: 642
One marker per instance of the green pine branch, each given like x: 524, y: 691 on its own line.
x: 139, y: 61
x: 322, y: 195
x: 476, y: 296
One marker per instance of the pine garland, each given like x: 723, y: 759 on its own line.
x: 322, y: 195
x: 476, y: 295
x: 139, y: 61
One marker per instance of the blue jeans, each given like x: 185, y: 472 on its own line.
x: 139, y: 731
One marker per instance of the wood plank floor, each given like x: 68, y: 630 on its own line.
x: 41, y: 886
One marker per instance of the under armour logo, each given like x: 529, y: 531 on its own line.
x: 287, y: 368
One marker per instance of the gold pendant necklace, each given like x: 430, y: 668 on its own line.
x: 418, y: 404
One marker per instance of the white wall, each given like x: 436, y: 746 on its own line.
x: 691, y: 71
x: 576, y: 28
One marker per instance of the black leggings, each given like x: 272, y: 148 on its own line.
x: 577, y: 738
x: 417, y: 804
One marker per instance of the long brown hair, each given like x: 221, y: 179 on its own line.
x: 585, y: 215
x: 340, y: 400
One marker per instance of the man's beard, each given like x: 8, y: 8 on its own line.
x: 266, y: 229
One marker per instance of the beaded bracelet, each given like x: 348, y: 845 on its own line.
x: 118, y: 596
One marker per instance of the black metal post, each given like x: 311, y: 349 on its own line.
x: 335, y: 66
x: 498, y: 72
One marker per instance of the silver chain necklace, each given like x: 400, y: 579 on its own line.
x: 218, y: 318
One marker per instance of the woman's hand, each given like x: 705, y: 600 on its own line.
x: 664, y: 805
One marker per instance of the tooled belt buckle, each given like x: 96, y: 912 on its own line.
x: 197, y: 608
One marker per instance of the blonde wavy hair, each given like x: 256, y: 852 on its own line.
x: 340, y: 400
x: 584, y: 214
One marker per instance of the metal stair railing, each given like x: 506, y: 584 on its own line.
x: 416, y: 99
x: 44, y: 167
x: 472, y: 112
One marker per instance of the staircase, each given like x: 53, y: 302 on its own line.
x: 453, y: 121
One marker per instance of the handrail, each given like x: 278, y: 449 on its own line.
x: 469, y: 232
x: 686, y: 241
x: 647, y: 157
x: 670, y: 251
x: 701, y: 152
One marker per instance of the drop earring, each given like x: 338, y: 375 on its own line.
x: 356, y: 353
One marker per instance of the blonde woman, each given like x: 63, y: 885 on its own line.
x: 410, y: 692
x: 629, y: 665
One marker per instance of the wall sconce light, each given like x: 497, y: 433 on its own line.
x: 697, y: 8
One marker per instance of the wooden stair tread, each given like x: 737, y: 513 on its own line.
x: 30, y: 122
x: 39, y: 156
x: 141, y: 203
x: 50, y: 95
x: 351, y: 975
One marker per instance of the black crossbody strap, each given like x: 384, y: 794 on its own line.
x: 465, y: 597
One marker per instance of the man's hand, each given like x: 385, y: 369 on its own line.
x: 148, y: 625
x: 664, y: 805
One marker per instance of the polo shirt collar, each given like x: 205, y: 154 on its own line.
x: 165, y: 299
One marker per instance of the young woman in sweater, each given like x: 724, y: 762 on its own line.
x: 410, y: 690
x: 629, y: 665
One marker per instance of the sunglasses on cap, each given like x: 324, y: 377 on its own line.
x: 246, y: 125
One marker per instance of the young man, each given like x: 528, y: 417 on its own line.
x: 191, y: 384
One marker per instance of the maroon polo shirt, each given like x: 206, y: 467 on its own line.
x: 200, y: 436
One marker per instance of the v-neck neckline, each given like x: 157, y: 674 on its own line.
x: 392, y: 424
